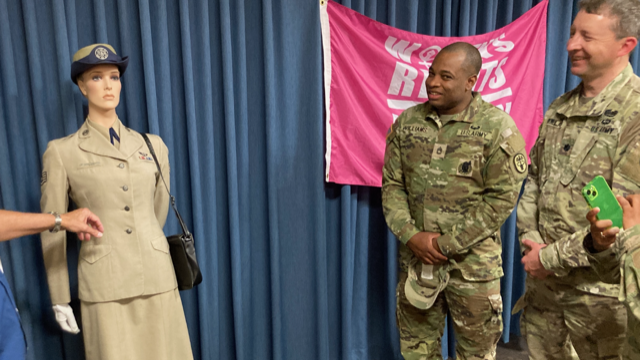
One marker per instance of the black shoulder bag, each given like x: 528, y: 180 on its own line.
x: 181, y: 246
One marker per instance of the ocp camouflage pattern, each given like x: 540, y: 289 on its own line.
x: 576, y: 143
x: 460, y: 179
x: 621, y: 265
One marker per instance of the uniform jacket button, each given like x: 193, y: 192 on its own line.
x: 129, y: 231
x: 121, y: 166
x: 126, y: 208
x: 125, y: 188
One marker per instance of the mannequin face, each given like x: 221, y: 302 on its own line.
x: 101, y: 86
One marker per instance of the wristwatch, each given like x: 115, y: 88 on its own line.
x: 58, y: 224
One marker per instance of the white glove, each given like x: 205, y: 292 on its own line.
x: 64, y: 317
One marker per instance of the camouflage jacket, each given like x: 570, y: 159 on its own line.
x: 621, y: 266
x: 460, y: 179
x: 575, y: 144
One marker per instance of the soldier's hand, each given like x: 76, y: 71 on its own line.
x: 602, y: 233
x: 83, y: 222
x: 531, y: 260
x: 630, y: 210
x: 422, y: 245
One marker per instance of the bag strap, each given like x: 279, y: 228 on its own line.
x: 185, y: 230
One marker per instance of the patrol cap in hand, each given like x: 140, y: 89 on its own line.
x: 96, y: 54
x: 422, y: 291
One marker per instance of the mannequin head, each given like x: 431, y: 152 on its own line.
x: 97, y: 69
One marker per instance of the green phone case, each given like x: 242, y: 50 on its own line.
x: 598, y: 194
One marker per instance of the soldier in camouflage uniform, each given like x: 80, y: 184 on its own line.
x: 569, y: 313
x: 621, y: 264
x: 452, y: 172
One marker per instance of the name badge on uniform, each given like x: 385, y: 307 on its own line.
x: 474, y: 133
x: 439, y: 150
x: 89, y: 165
x: 609, y: 130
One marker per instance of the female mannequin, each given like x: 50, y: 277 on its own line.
x: 130, y: 305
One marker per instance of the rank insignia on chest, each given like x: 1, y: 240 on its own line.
x: 144, y: 156
x: 439, y: 150
x: 520, y: 163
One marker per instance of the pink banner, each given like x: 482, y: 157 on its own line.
x: 373, y: 72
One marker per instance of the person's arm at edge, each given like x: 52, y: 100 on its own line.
x: 15, y: 224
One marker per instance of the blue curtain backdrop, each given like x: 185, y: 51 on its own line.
x: 293, y: 268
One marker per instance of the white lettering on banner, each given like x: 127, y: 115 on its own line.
x: 423, y: 84
x: 497, y: 95
x: 403, y: 74
x: 427, y: 55
x: 399, y: 50
x: 499, y: 79
x: 500, y: 46
x: 482, y: 48
x: 488, y: 67
x: 503, y: 46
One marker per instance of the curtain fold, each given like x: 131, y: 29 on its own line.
x: 293, y: 267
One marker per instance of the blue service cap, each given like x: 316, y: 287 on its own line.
x: 96, y: 54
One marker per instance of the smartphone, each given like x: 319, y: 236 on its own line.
x: 598, y: 194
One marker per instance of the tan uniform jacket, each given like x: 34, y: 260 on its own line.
x: 123, y: 187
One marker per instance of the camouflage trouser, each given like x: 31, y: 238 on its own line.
x: 632, y: 346
x: 476, y: 310
x: 561, y: 322
x: 631, y: 289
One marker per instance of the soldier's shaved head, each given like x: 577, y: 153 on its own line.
x: 473, y: 61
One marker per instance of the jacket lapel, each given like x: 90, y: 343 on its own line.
x: 91, y: 141
x: 130, y: 142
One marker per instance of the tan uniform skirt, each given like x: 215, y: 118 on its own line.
x: 146, y: 327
